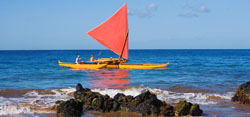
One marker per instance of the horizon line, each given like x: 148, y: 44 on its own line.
x: 110, y: 50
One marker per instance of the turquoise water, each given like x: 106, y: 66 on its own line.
x: 206, y: 77
x: 221, y: 69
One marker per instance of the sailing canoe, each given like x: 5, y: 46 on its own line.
x: 82, y: 66
x: 113, y: 34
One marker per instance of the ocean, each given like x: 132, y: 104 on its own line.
x: 31, y: 80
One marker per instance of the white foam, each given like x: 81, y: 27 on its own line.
x: 14, y: 109
x: 112, y: 92
x: 32, y: 100
x: 168, y: 96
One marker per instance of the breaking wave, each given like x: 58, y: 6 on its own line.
x: 32, y: 101
x: 171, y: 97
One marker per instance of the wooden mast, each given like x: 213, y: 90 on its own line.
x: 125, y: 41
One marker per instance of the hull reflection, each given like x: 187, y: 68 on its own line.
x: 109, y: 78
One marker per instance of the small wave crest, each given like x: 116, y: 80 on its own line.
x: 170, y: 96
x: 32, y: 100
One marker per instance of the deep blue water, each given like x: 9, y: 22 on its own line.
x: 220, y: 70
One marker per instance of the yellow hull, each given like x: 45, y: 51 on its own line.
x: 120, y: 66
x: 82, y: 66
x: 137, y: 66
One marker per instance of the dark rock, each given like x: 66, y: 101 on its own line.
x: 140, y: 98
x: 59, y: 101
x: 97, y: 103
x: 167, y: 110
x: 116, y: 106
x: 108, y: 104
x: 118, y: 96
x: 182, y: 108
x: 242, y: 94
x: 79, y: 91
x: 94, y: 101
x: 146, y: 103
x: 123, y: 100
x: 195, y: 110
x: 70, y: 108
x: 129, y: 98
x: 79, y: 87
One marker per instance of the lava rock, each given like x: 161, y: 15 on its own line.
x: 116, y: 106
x: 79, y: 90
x: 93, y: 100
x: 79, y: 87
x: 167, y: 110
x: 182, y: 108
x: 146, y: 103
x: 195, y: 110
x: 149, y: 104
x: 59, y: 102
x: 70, y: 108
x: 242, y: 94
x: 108, y: 103
x: 124, y: 101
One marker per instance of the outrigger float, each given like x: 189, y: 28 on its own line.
x: 113, y: 34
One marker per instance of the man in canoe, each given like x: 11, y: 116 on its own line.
x: 78, y: 59
x: 92, y: 57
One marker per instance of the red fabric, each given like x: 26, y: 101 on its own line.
x: 113, y: 32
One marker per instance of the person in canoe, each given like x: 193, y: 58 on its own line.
x: 92, y: 57
x: 78, y: 59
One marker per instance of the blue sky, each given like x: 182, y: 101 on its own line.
x: 153, y: 24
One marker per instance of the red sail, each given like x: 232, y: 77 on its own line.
x: 113, y: 32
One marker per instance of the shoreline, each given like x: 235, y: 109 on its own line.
x: 215, y: 103
x: 212, y: 110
